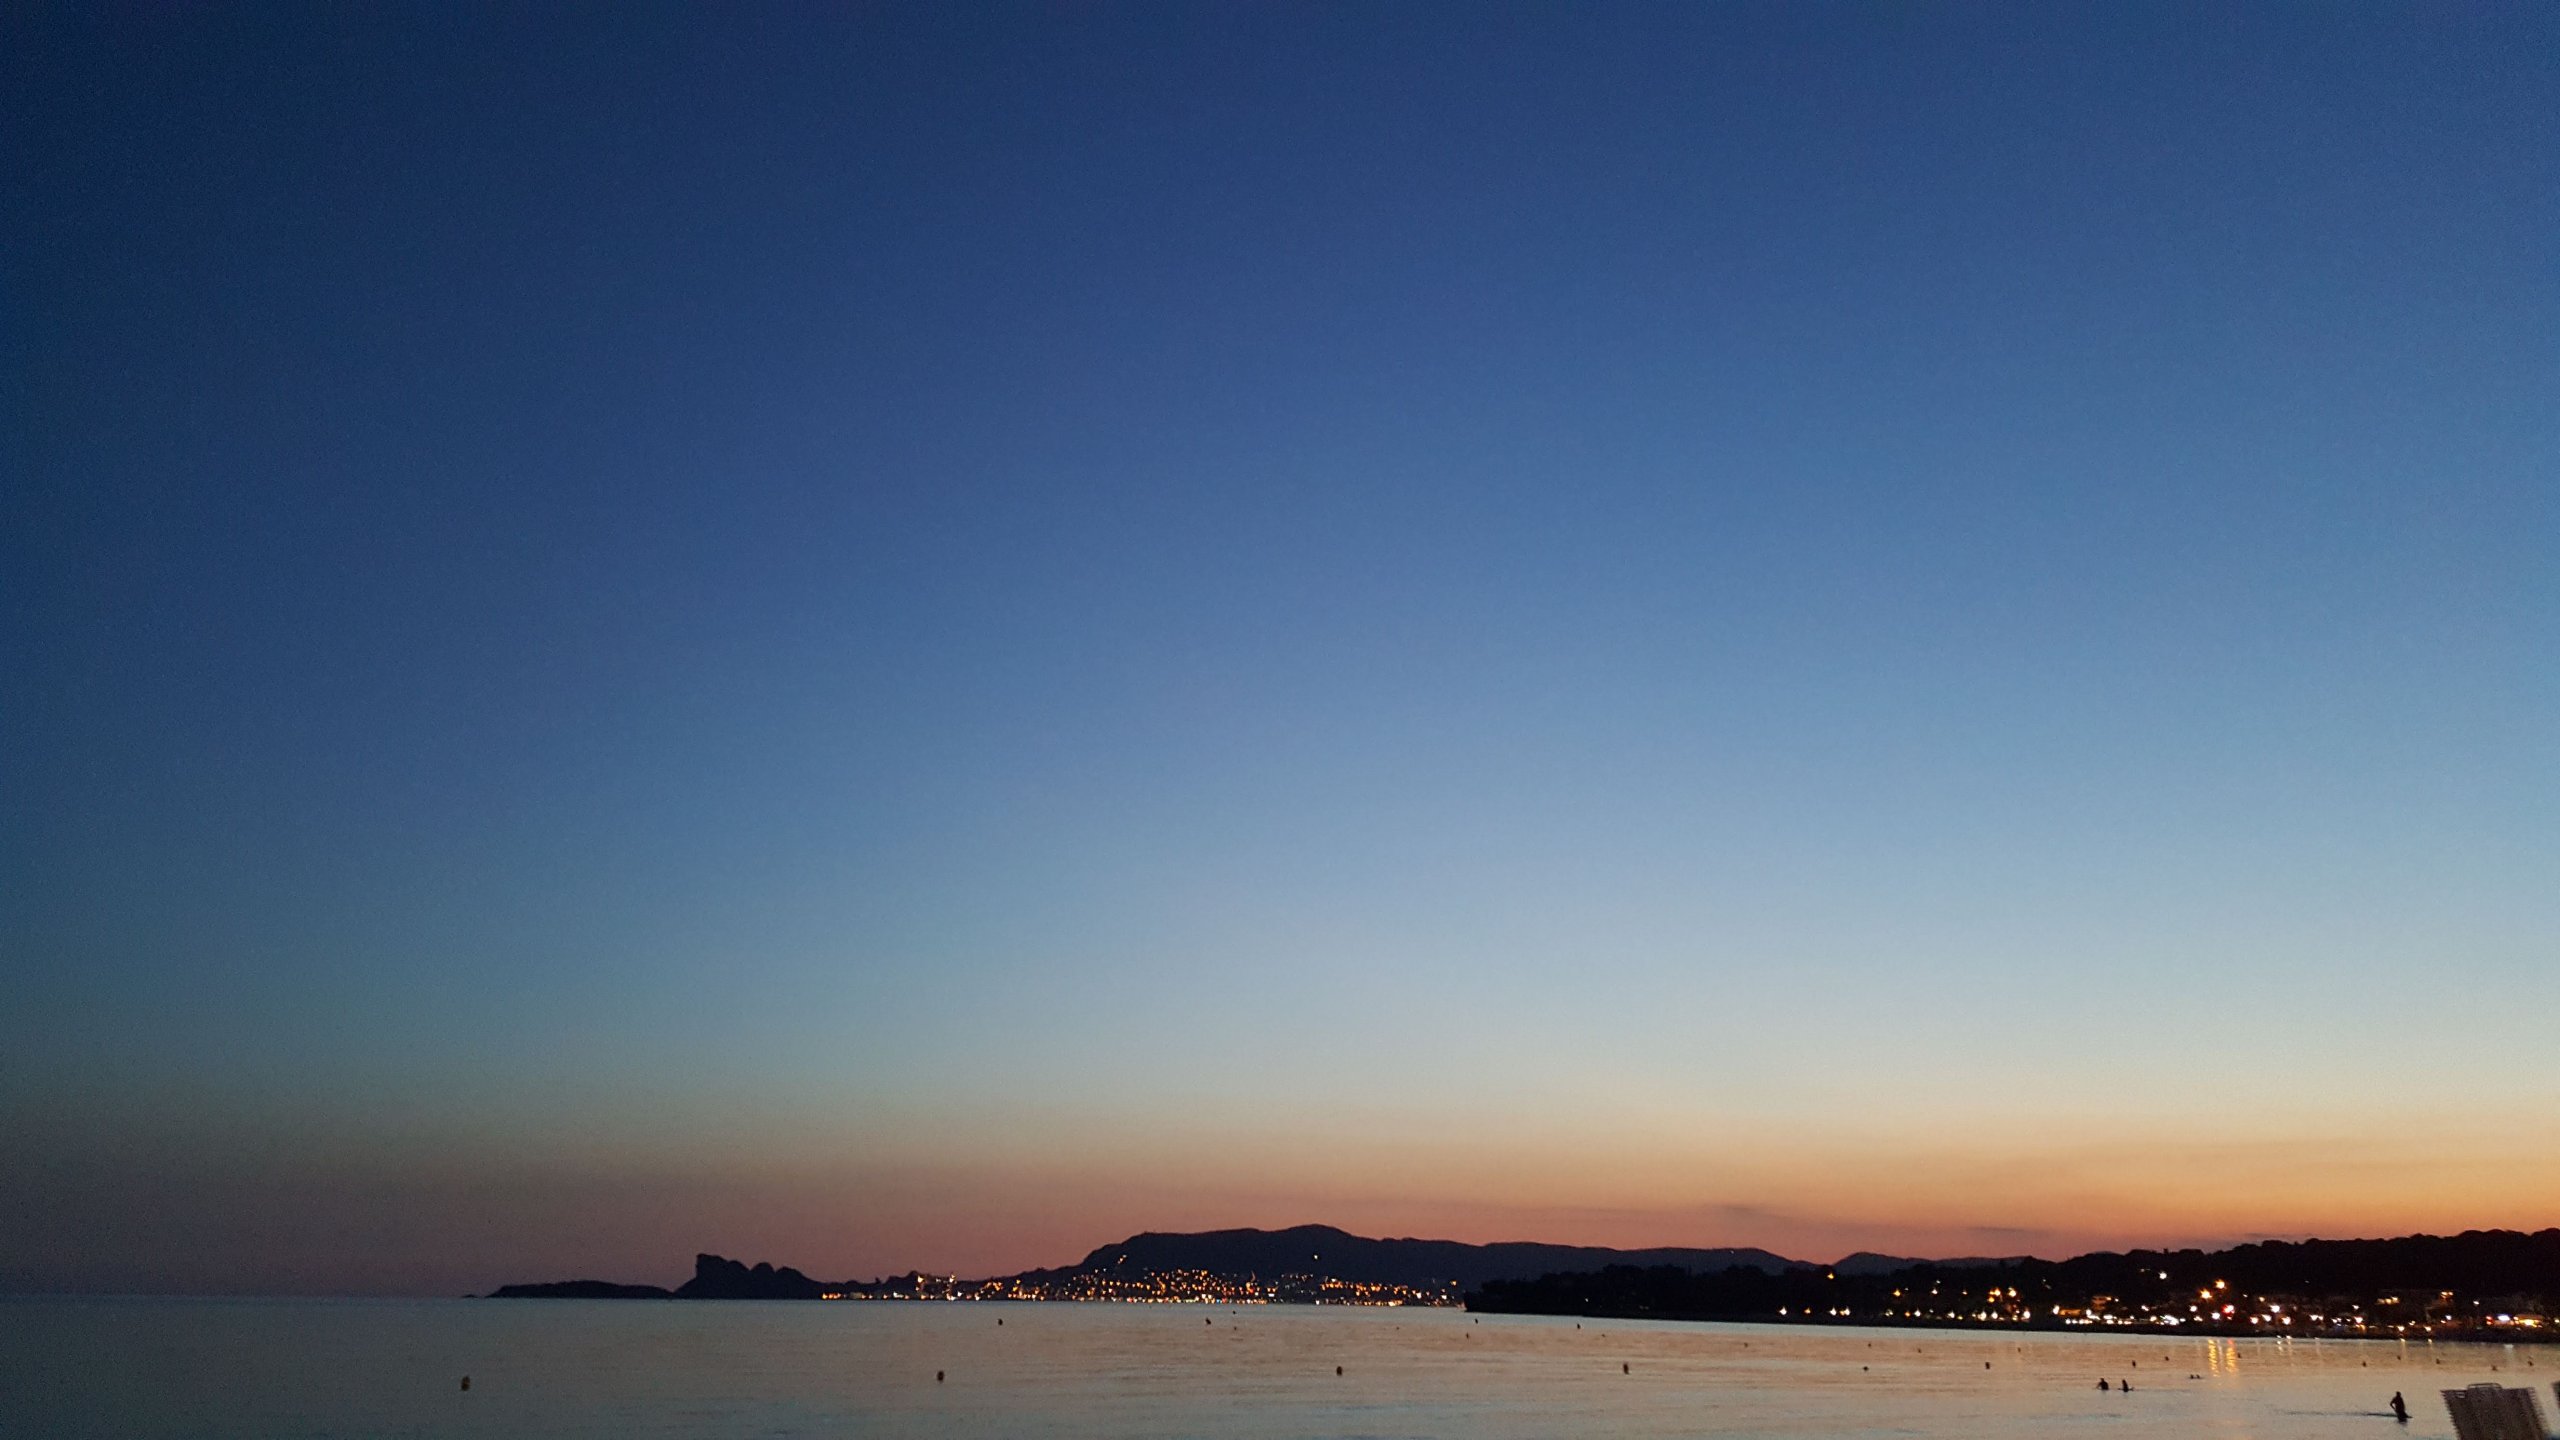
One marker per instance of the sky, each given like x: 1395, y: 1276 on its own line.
x: 925, y: 636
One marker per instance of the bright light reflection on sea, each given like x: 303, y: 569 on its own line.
x: 286, y: 1368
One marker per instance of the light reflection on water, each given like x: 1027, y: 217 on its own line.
x: 289, y: 1368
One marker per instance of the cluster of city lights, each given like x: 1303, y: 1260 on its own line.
x: 1157, y: 1287
x: 2432, y: 1313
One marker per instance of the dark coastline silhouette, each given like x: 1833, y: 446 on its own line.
x: 2449, y: 1283
x: 1304, y: 1249
x: 2440, y: 1285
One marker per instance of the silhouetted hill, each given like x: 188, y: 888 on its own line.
x: 1324, y: 1250
x: 718, y: 1278
x: 581, y: 1290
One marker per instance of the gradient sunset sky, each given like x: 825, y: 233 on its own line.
x: 890, y: 636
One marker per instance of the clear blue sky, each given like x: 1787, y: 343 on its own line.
x: 924, y: 636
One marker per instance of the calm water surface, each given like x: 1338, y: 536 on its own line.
x: 301, y: 1368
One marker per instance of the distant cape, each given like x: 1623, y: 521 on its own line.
x: 715, y: 1277
x: 581, y: 1290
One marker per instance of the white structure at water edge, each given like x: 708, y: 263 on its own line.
x: 2494, y: 1412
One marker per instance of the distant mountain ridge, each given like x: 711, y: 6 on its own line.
x: 1868, y: 1262
x: 1325, y: 1250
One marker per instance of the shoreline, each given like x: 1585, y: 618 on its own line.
x: 2040, y: 1327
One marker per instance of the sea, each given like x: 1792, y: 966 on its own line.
x: 288, y: 1369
